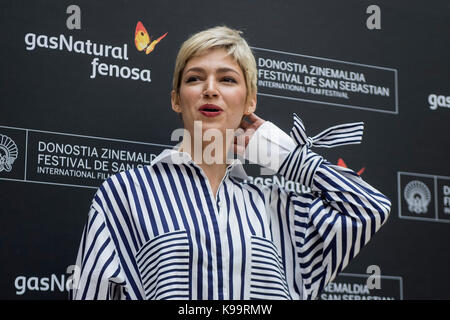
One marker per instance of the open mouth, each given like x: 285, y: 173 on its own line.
x: 210, y: 110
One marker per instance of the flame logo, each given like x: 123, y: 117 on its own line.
x: 341, y: 163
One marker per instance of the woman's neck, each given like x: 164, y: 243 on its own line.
x: 210, y: 156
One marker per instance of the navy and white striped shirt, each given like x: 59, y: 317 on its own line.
x: 158, y: 232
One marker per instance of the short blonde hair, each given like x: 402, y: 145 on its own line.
x: 218, y: 37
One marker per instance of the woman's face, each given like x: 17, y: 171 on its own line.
x: 213, y: 80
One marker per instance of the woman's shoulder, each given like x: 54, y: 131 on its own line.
x: 123, y: 180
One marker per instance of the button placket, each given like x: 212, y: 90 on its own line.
x: 221, y: 208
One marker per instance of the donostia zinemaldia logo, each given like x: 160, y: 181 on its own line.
x: 8, y: 153
x: 418, y: 196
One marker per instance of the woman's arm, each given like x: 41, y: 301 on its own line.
x: 329, y: 225
x: 97, y: 275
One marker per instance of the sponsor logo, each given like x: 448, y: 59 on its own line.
x: 73, y: 160
x: 8, y: 153
x: 326, y: 81
x: 436, y: 101
x: 63, y: 42
x: 418, y: 196
x: 53, y: 283
x: 341, y: 163
x: 280, y: 181
x: 348, y: 286
x: 12, y: 153
x: 143, y: 41
x: 424, y: 197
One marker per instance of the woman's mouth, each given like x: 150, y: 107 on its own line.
x: 210, y: 110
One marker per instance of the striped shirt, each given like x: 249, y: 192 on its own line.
x: 158, y: 232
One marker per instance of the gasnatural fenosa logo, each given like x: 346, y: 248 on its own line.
x: 143, y: 41
x: 63, y: 42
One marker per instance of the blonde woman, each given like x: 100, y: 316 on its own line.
x: 191, y: 226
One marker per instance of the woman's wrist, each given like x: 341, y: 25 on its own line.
x: 269, y: 146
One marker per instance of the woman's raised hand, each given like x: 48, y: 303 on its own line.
x: 245, y: 132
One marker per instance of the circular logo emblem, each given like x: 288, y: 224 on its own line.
x: 8, y: 153
x: 418, y: 196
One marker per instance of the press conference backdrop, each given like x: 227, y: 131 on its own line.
x: 79, y: 102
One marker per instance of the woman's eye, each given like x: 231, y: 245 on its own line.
x: 229, y: 79
x: 192, y: 78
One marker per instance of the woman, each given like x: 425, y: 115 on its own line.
x: 190, y: 226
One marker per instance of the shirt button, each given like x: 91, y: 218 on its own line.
x: 220, y: 203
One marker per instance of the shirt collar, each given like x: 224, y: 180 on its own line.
x: 173, y: 156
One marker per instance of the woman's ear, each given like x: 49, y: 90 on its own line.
x: 175, y: 99
x: 250, y: 106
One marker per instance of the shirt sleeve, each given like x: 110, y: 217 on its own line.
x: 331, y: 224
x: 269, y: 147
x: 97, y: 273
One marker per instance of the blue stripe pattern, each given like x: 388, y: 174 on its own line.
x: 158, y: 232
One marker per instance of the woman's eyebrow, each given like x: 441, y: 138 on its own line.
x: 226, y: 69
x: 219, y: 70
x: 195, y: 69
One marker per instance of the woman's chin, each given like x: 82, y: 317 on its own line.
x: 207, y: 125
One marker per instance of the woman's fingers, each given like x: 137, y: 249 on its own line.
x: 245, y: 132
x: 253, y: 117
x: 255, y: 121
x: 245, y: 124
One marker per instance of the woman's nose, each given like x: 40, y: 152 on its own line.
x: 210, y: 88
